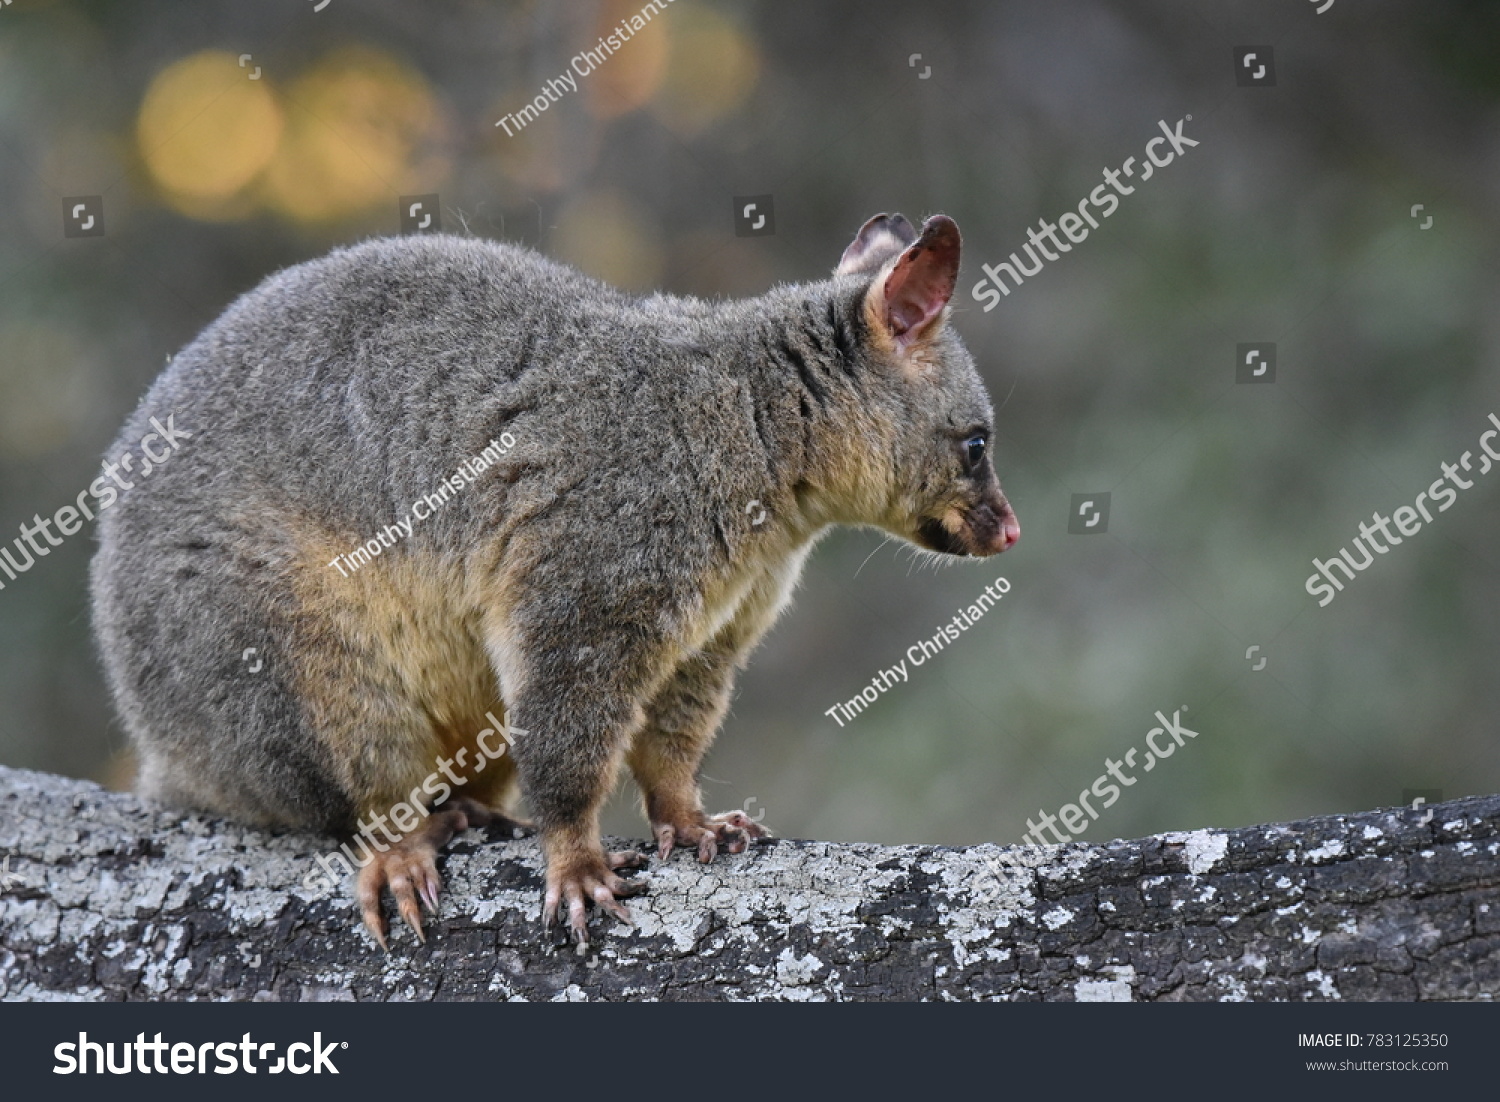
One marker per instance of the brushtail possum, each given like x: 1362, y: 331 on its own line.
x: 434, y: 481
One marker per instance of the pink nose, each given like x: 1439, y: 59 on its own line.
x: 1010, y: 531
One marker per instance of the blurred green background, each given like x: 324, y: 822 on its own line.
x: 1289, y: 223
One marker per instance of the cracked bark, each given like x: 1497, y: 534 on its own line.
x: 107, y: 898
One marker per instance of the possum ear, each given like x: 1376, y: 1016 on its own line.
x: 879, y: 239
x: 913, y: 297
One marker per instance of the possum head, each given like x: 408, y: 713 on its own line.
x: 926, y: 425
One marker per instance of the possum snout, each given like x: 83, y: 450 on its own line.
x: 994, y: 527
x: 981, y: 530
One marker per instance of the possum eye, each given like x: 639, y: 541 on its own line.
x: 974, y: 451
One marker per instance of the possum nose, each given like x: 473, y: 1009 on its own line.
x: 1007, y: 530
x: 1010, y: 531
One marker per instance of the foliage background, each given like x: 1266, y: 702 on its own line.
x: 1289, y: 222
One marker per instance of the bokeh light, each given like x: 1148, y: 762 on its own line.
x: 628, y: 78
x: 362, y: 128
x: 357, y: 129
x: 712, y: 67
x: 610, y: 238
x: 206, y: 131
x: 543, y: 155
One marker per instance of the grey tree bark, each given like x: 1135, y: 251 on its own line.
x: 102, y: 897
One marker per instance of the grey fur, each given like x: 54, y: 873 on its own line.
x: 341, y: 390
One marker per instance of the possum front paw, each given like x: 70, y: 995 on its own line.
x: 578, y: 877
x: 733, y: 829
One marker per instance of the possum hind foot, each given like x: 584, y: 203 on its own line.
x: 733, y: 829
x: 409, y: 867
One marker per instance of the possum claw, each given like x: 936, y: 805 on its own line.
x: 590, y: 881
x: 409, y: 867
x: 733, y: 830
x: 666, y: 838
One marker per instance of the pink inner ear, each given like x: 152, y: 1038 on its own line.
x: 923, y: 280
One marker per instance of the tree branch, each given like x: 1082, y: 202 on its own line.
x: 106, y: 898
